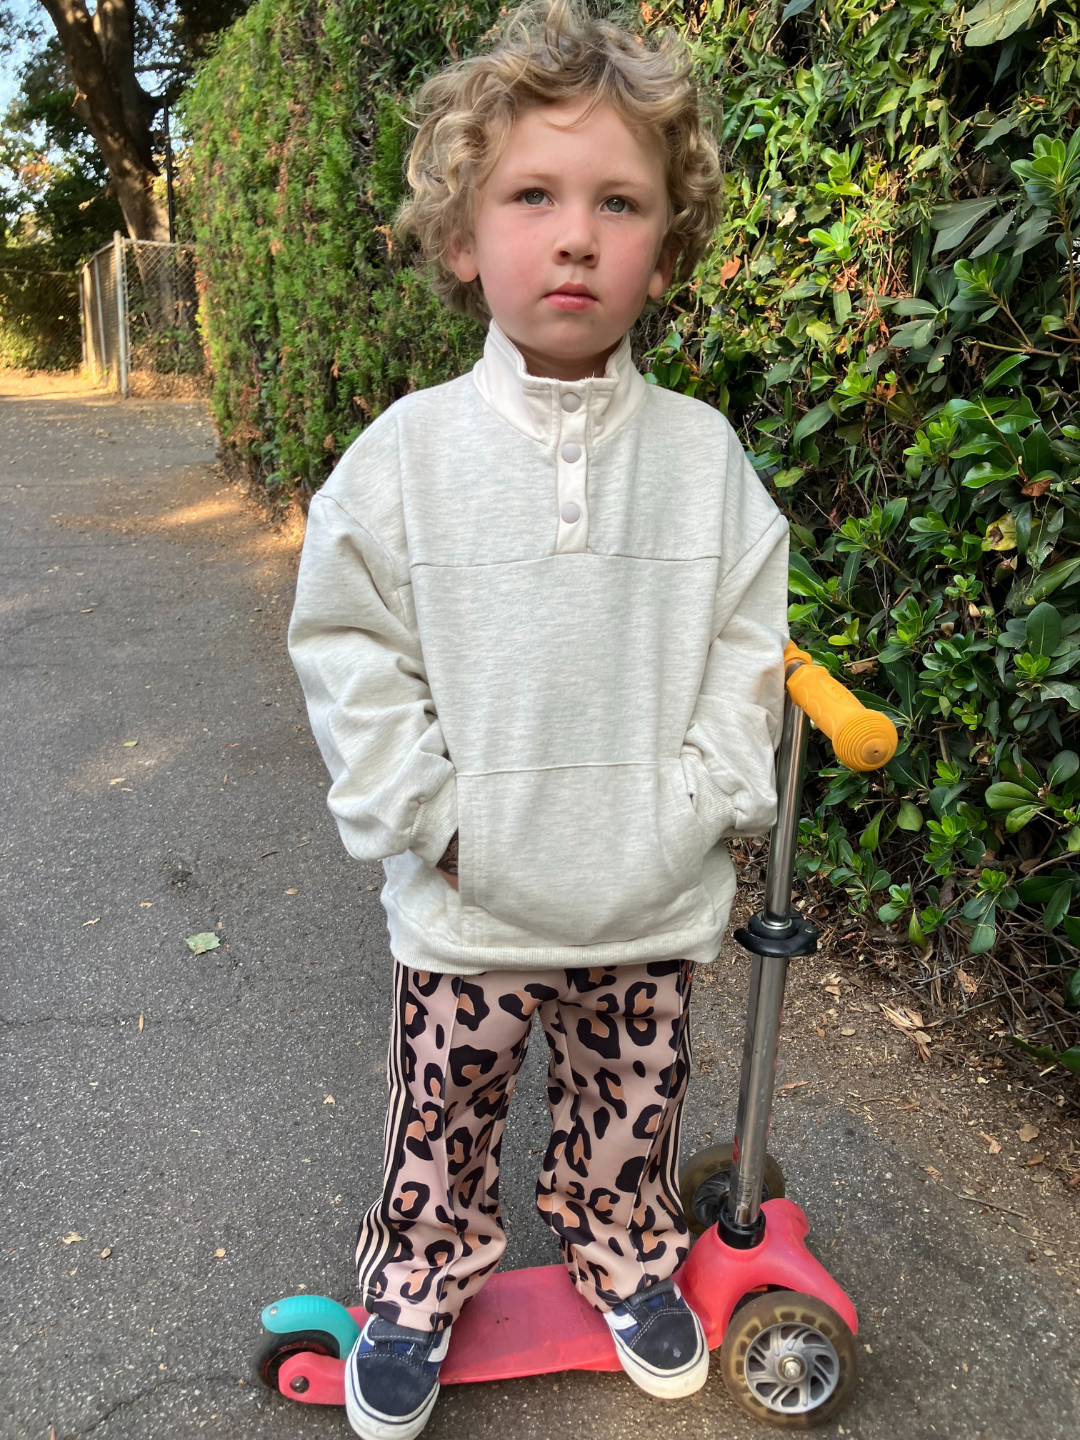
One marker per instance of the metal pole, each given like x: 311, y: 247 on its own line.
x: 785, y: 831
x: 80, y: 279
x: 768, y: 977
x: 121, y: 309
x: 101, y: 314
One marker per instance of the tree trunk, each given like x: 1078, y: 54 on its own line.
x: 118, y: 112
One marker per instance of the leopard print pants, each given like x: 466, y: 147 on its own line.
x: 619, y: 1057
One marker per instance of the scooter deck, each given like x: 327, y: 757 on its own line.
x: 533, y: 1322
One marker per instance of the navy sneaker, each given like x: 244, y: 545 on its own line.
x: 392, y: 1379
x: 660, y: 1342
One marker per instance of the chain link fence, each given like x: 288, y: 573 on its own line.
x: 138, y: 301
x: 39, y: 319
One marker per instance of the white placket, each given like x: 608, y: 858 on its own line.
x: 571, y: 460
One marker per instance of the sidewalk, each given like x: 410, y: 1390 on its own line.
x: 187, y: 1137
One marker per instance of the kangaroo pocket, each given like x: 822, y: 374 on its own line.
x: 584, y: 854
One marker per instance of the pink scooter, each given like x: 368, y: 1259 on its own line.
x: 784, y: 1326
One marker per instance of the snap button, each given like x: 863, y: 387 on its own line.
x: 571, y: 402
x: 570, y: 512
x: 571, y: 452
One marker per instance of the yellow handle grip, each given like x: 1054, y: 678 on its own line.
x: 862, y: 739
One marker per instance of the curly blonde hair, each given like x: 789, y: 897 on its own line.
x: 550, y: 51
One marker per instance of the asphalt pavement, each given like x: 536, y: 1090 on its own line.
x: 185, y: 1137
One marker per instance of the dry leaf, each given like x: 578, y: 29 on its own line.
x: 71, y: 1239
x: 91, y: 922
x: 931, y: 1171
x: 847, y: 1030
x: 794, y: 1085
x: 218, y: 1253
x: 995, y: 1145
x: 832, y: 990
x: 292, y: 892
x: 967, y: 981
x: 130, y: 744
x: 106, y: 1253
x: 119, y: 780
x: 142, y: 1021
x: 1034, y: 1160
x: 146, y: 904
x: 1028, y: 1133
x: 329, y: 1100
x: 729, y: 269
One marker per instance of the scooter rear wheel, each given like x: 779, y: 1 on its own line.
x: 276, y: 1349
x: 788, y: 1360
x: 703, y: 1185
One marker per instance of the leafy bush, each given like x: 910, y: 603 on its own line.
x: 889, y: 316
x: 312, y: 322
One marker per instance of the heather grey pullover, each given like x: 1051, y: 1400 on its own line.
x: 549, y: 615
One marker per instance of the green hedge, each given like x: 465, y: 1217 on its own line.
x: 889, y: 317
x: 313, y: 323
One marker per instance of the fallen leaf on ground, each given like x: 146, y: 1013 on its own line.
x: 200, y: 943
x: 146, y: 904
x: 995, y: 1145
x: 847, y: 1030
x: 130, y: 744
x: 106, y: 1253
x: 91, y: 922
x: 969, y: 983
x: 119, y: 780
x: 1034, y: 1160
x: 794, y: 1085
x: 931, y: 1171
x: 71, y: 1239
x: 1028, y: 1133
x: 329, y: 1100
x: 142, y: 1021
x: 219, y: 1253
x: 292, y: 892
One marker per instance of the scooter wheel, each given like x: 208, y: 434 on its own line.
x: 789, y: 1360
x: 704, y: 1184
x: 276, y: 1349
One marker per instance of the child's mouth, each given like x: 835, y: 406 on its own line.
x: 571, y: 297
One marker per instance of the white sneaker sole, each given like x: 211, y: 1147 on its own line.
x: 373, y: 1424
x: 664, y: 1384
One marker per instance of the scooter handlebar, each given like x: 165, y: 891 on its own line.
x: 862, y: 739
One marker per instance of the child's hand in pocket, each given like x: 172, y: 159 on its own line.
x: 449, y: 863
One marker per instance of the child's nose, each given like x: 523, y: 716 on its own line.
x: 578, y: 240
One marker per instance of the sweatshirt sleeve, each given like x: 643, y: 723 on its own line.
x: 729, y: 749
x: 360, y: 664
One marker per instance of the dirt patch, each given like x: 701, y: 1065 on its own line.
x: 982, y: 1124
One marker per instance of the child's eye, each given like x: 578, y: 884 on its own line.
x: 619, y: 204
x: 532, y: 197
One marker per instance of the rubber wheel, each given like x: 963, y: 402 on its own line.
x: 703, y: 1185
x: 276, y: 1349
x: 780, y: 1325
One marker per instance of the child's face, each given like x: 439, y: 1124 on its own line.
x: 567, y: 236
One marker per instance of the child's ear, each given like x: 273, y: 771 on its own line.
x: 665, y: 269
x: 462, y: 261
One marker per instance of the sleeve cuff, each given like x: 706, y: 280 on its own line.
x: 715, y: 810
x: 435, y: 823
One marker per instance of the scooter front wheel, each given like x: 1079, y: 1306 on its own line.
x: 789, y: 1360
x: 704, y: 1182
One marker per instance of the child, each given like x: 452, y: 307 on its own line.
x: 539, y: 623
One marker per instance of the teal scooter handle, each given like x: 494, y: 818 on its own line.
x: 312, y: 1312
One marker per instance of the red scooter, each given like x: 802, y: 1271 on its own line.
x: 784, y: 1326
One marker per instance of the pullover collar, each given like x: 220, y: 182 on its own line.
x: 546, y: 409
